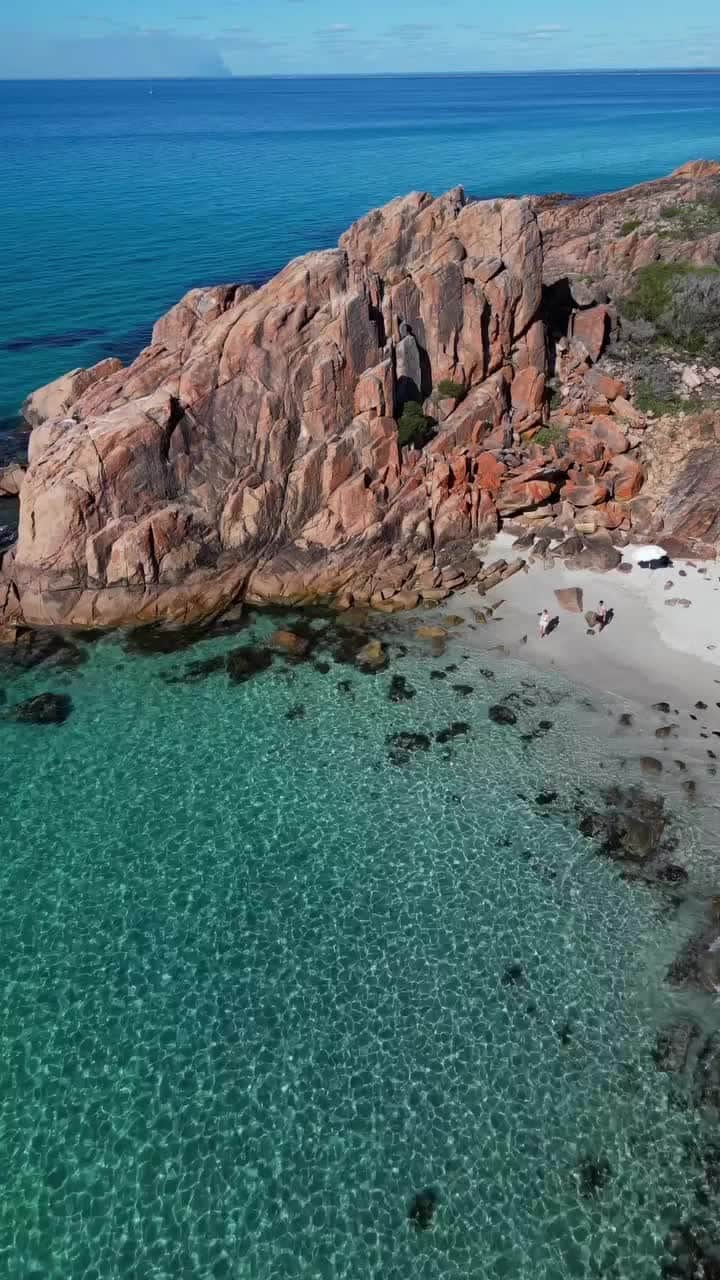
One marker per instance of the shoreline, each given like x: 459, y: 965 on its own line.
x: 649, y: 653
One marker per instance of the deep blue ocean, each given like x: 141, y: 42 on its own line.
x: 265, y: 975
x: 119, y: 196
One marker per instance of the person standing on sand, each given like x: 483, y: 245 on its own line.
x: 543, y: 624
x: 602, y: 614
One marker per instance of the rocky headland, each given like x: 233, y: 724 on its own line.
x: 361, y: 426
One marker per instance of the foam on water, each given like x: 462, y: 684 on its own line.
x: 260, y: 985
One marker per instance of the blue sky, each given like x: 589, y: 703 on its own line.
x: 268, y: 37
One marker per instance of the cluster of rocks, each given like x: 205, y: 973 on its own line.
x: 633, y: 830
x: 252, y: 452
x: 696, y: 378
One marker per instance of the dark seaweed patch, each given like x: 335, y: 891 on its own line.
x: 422, y: 1208
x: 246, y: 662
x: 458, y: 729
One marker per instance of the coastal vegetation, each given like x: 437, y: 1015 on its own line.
x: 415, y: 427
x: 651, y: 400
x: 552, y: 435
x: 447, y: 389
x: 682, y: 304
x: 688, y: 221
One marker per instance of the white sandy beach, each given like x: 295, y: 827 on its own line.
x: 649, y: 653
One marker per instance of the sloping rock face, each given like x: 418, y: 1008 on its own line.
x: 608, y: 237
x: 691, y: 509
x: 58, y: 397
x: 251, y: 450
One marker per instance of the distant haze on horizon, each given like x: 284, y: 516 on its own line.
x: 173, y: 38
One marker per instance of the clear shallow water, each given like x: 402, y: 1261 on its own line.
x: 253, y: 999
x: 117, y: 197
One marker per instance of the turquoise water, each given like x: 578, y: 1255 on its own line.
x: 118, y: 197
x: 258, y: 987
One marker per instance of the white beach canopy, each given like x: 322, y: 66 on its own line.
x: 647, y: 552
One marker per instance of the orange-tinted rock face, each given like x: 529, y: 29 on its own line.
x: 592, y: 329
x: 254, y: 438
x: 251, y: 451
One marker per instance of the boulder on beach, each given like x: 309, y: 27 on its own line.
x: 650, y: 765
x: 570, y: 599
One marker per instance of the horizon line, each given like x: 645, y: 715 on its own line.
x: 368, y: 75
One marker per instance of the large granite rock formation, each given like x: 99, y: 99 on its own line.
x: 598, y: 242
x: 251, y: 451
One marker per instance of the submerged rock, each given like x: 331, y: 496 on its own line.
x: 459, y: 729
x: 593, y: 1174
x: 157, y: 641
x: 33, y: 648
x: 673, y: 1046
x: 422, y: 1208
x: 707, y: 1074
x: 426, y: 632
x: 400, y: 690
x: 502, y: 715
x: 289, y: 643
x: 199, y: 670
x: 401, y: 745
x: 246, y: 662
x: 44, y: 708
x: 632, y: 827
x: 372, y: 657
x: 513, y: 975
x: 692, y: 1254
x: 697, y: 964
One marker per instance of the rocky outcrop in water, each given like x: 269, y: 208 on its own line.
x: 262, y: 447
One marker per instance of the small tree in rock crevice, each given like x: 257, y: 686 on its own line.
x: 414, y: 426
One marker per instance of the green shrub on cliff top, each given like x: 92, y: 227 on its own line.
x: 692, y: 220
x: 414, y: 425
x: 447, y: 389
x: 552, y: 434
x: 682, y: 301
